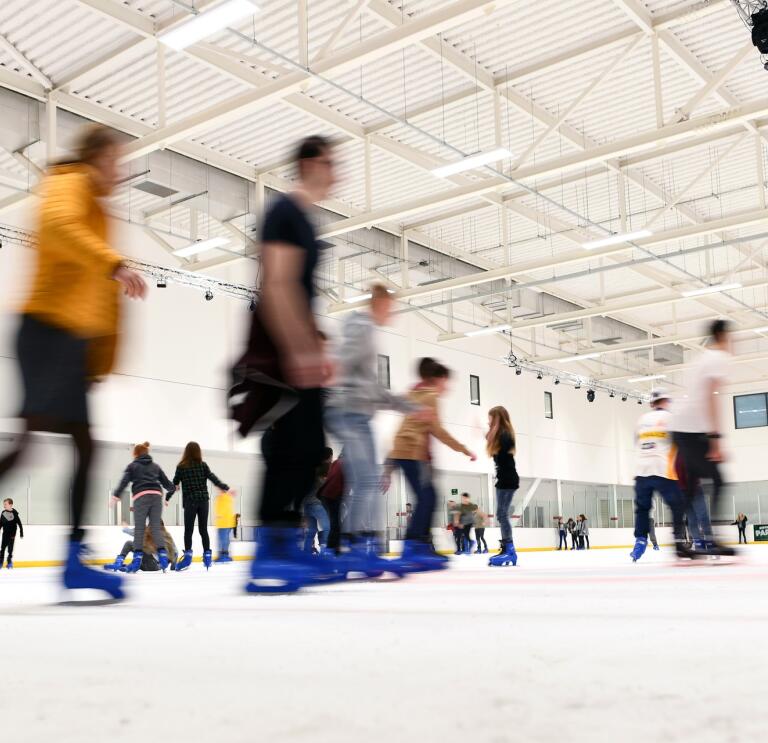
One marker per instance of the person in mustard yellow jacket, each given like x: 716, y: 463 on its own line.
x: 70, y: 321
x: 224, y: 520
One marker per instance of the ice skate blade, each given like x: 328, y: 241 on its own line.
x: 271, y: 586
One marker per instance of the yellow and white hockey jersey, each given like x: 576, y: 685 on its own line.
x: 655, y: 451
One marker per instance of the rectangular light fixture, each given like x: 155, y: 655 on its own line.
x: 713, y: 289
x: 581, y: 357
x: 200, y: 246
x: 648, y: 378
x: 470, y: 162
x: 622, y: 237
x: 364, y: 297
x: 760, y: 330
x: 487, y: 331
x: 207, y: 23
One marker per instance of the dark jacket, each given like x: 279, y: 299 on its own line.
x: 9, y: 521
x: 194, y: 482
x: 144, y: 474
x: 506, y: 470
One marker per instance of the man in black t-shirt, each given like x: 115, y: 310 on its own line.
x: 296, y: 440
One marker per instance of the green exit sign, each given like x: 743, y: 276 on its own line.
x: 761, y: 532
x: 455, y: 491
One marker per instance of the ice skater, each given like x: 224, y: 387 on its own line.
x: 481, y: 522
x: 147, y: 481
x: 318, y: 523
x: 10, y: 523
x: 357, y: 395
x: 411, y: 454
x: 279, y: 379
x: 652, y: 531
x: 656, y: 474
x: 583, y: 533
x: 562, y: 533
x: 697, y: 426
x: 741, y: 523
x: 192, y: 474
x: 149, y: 553
x: 467, y: 514
x: 502, y: 447
x: 70, y: 323
x: 225, y: 521
x: 573, y: 531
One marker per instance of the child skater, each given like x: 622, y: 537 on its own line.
x: 224, y: 518
x: 410, y: 453
x: 9, y: 523
x: 193, y: 474
x: 147, y: 482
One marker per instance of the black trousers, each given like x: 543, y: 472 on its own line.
x: 743, y: 534
x: 196, y: 510
x: 333, y: 506
x: 467, y: 535
x: 693, y: 449
x: 292, y: 452
x: 7, y: 544
x: 480, y: 536
x: 458, y: 537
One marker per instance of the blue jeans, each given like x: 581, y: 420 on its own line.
x: 361, y: 470
x: 503, y: 504
x: 317, y: 519
x: 418, y: 474
x: 224, y: 536
x: 699, y: 525
x: 668, y: 490
x: 563, y: 540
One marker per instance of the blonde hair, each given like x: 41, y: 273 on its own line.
x: 500, y: 415
x: 141, y: 449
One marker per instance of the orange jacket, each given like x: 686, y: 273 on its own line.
x: 73, y: 288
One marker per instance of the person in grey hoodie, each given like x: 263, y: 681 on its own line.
x: 147, y: 482
x: 350, y: 406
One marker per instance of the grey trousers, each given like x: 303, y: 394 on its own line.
x: 148, y: 507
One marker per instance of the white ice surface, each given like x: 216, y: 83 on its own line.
x: 565, y: 647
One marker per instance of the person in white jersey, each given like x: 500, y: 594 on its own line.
x: 656, y: 474
x: 696, y: 421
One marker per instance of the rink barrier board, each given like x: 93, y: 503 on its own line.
x: 447, y: 553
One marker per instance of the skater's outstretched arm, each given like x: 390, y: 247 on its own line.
x: 165, y: 482
x: 215, y: 480
x: 123, y: 484
x: 18, y: 519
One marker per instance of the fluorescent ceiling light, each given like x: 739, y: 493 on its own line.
x: 487, y: 331
x: 622, y: 237
x: 647, y: 378
x: 581, y: 357
x: 714, y: 289
x: 760, y: 330
x: 207, y: 23
x: 470, y: 162
x: 200, y: 246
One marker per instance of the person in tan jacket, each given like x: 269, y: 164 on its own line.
x: 411, y: 454
x: 70, y: 322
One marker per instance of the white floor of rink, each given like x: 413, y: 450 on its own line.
x: 565, y: 647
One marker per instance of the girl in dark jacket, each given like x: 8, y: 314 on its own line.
x: 147, y: 482
x: 501, y: 445
x: 193, y: 475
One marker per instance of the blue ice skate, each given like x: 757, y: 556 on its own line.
x: 508, y: 556
x: 639, y: 549
x: 9, y: 564
x: 420, y: 557
x: 279, y: 566
x: 77, y: 575
x: 135, y: 565
x: 116, y: 565
x: 364, y: 560
x: 469, y: 546
x: 186, y: 560
x: 162, y: 558
x: 207, y: 559
x: 223, y: 557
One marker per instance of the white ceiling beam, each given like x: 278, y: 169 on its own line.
x: 579, y: 256
x: 349, y: 18
x: 24, y: 63
x: 380, y: 45
x: 610, y: 308
x: 302, y: 26
x: 22, y: 84
x: 639, y: 15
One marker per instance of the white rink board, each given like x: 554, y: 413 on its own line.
x: 570, y: 646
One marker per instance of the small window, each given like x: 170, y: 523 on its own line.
x: 474, y: 389
x: 548, y: 411
x: 384, y: 371
x: 750, y: 411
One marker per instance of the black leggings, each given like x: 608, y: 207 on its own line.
x: 6, y: 544
x: 743, y: 534
x: 480, y: 536
x: 458, y: 536
x: 196, y: 510
x: 694, y: 448
x: 467, y: 535
x: 83, y: 443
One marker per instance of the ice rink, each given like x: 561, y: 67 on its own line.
x: 564, y: 647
